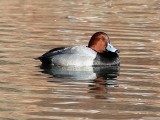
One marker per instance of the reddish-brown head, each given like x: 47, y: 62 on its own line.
x: 99, y: 41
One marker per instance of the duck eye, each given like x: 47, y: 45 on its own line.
x: 107, y: 40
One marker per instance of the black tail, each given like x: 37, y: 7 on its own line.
x: 45, y: 60
x: 46, y: 57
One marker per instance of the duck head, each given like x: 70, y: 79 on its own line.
x: 100, y: 42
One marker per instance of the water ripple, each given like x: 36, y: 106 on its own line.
x: 29, y: 91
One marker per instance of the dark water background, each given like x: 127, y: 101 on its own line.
x: 28, y: 91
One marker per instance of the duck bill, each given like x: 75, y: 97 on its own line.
x: 111, y: 48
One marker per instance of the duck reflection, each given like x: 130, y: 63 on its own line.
x: 100, y: 78
x: 101, y: 86
x: 81, y: 73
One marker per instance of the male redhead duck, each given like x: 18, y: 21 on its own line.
x: 98, y: 52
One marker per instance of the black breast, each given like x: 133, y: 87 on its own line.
x: 107, y: 58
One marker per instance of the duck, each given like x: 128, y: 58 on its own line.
x: 98, y: 52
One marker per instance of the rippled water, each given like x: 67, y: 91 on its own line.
x: 30, y: 91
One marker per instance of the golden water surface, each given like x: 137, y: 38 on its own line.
x: 29, y: 91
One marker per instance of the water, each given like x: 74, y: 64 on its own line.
x: 30, y: 91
